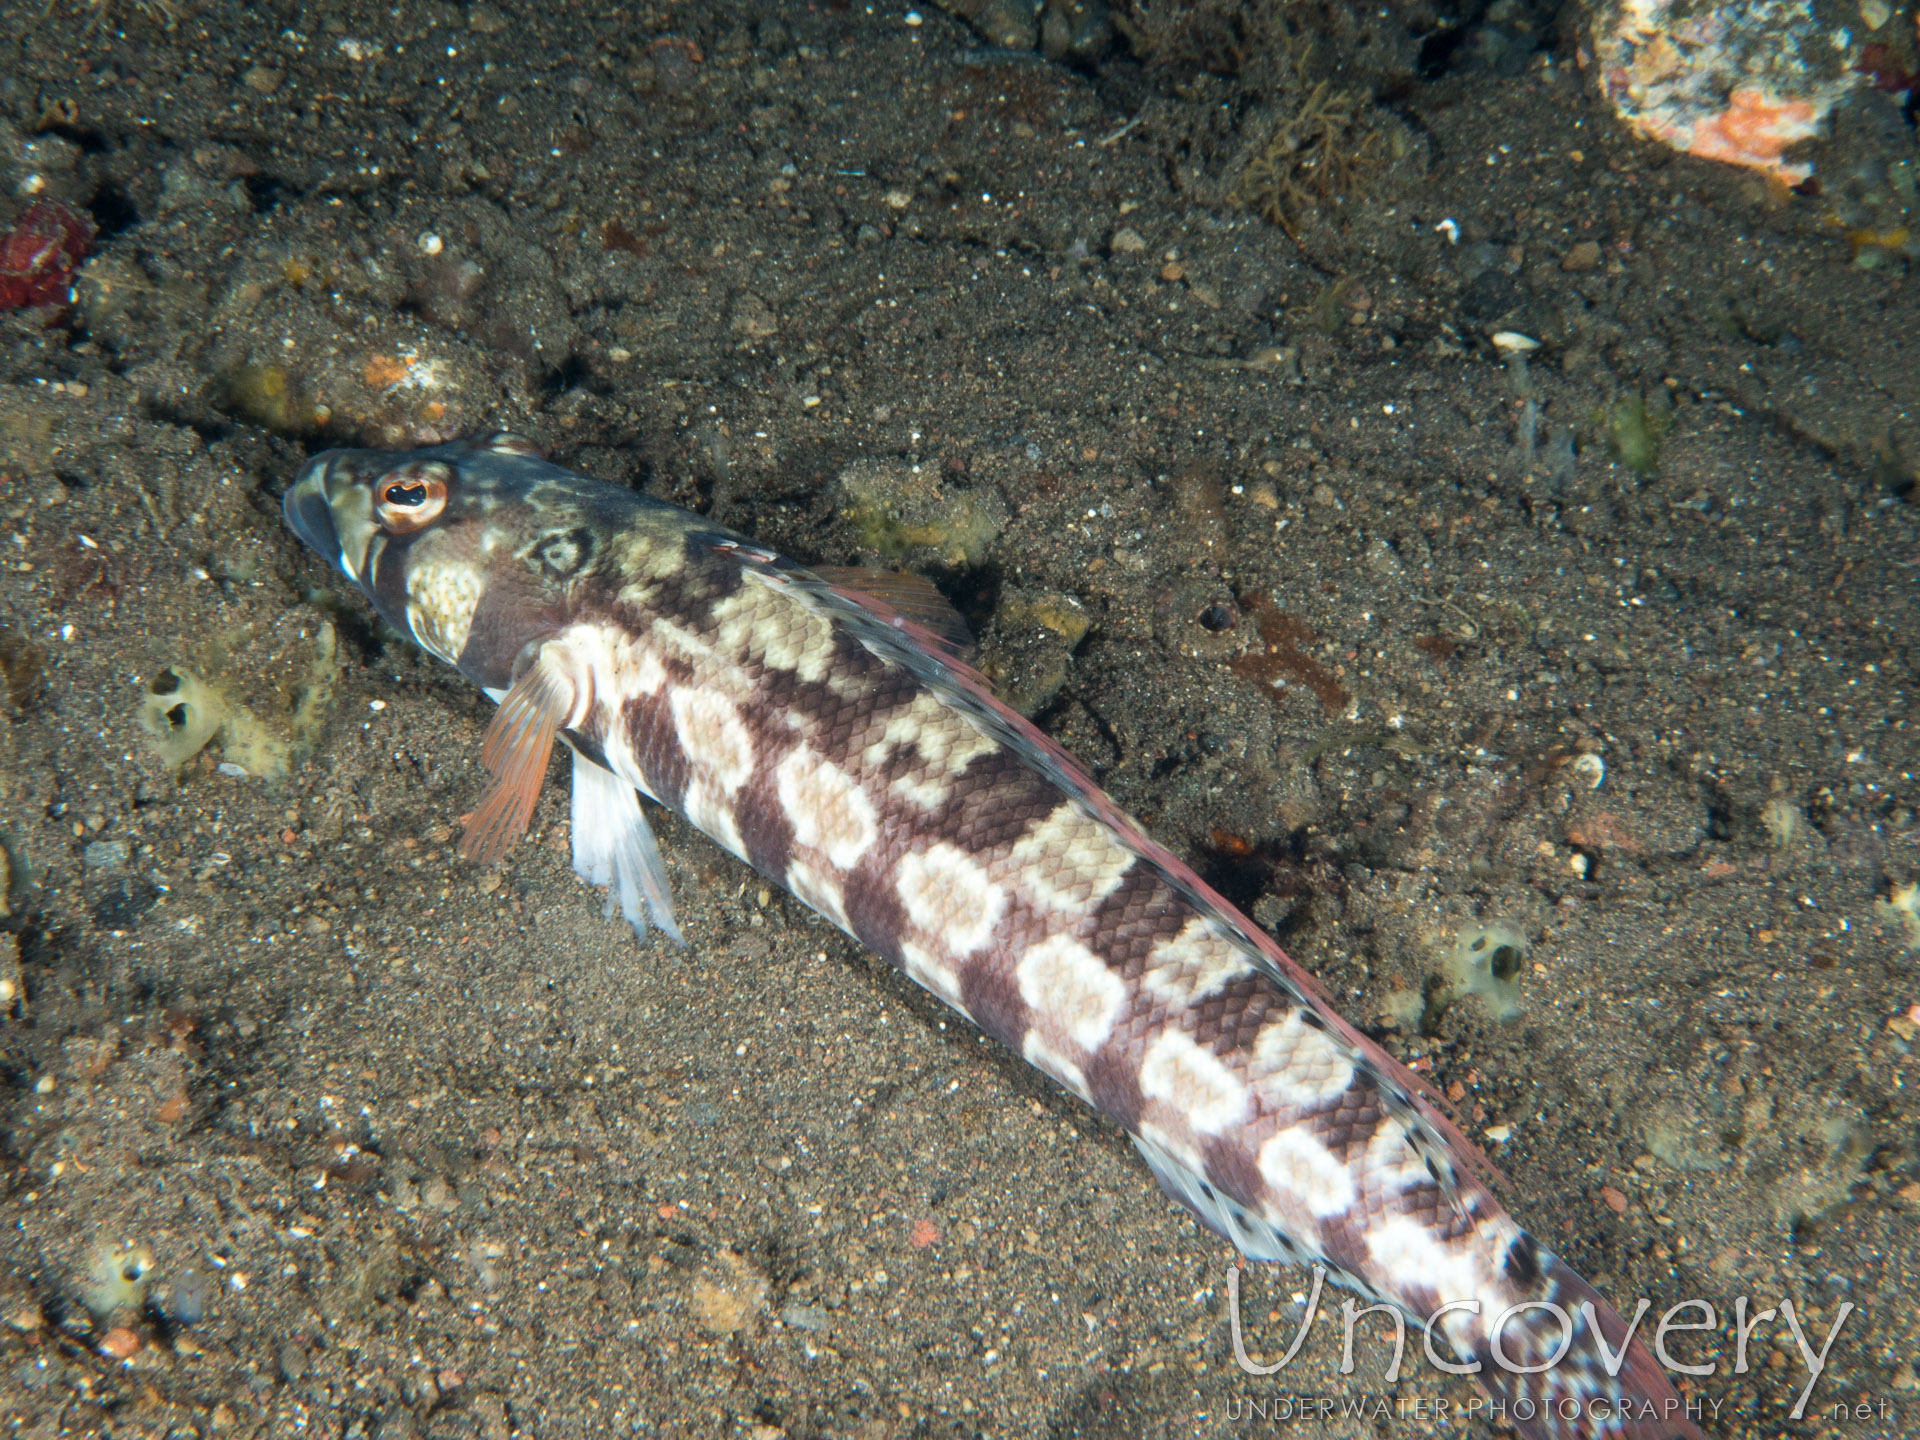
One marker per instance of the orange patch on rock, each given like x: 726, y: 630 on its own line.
x: 1755, y: 130
x: 383, y: 372
x: 923, y: 1234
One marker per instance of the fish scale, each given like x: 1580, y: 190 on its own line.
x: 814, y: 731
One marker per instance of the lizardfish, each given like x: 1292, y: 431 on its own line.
x: 822, y: 730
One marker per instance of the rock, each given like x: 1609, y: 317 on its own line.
x: 1381, y: 558
x: 292, y: 1360
x: 20, y: 1308
x: 1742, y: 85
x: 1582, y: 257
x: 121, y: 1343
x: 804, y: 1317
x: 1006, y: 23
x: 490, y: 1414
x: 1034, y: 636
x: 754, y: 318
x: 901, y: 511
x: 190, y: 1297
x: 730, y: 1300
x: 1075, y: 29
x: 105, y: 855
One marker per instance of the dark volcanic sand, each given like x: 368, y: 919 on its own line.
x: 417, y: 1149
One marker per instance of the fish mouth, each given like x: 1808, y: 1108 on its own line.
x: 330, y: 507
x: 308, y: 512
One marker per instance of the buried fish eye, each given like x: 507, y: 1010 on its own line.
x: 401, y: 493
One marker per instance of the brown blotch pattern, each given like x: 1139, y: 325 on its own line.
x: 991, y: 885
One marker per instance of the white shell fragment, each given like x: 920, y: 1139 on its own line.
x: 1592, y: 769
x: 1513, y: 342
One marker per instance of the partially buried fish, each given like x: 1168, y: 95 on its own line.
x: 842, y: 748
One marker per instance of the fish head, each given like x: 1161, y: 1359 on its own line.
x: 470, y: 548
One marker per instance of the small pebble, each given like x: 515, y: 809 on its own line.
x: 1614, y: 1200
x: 120, y: 1343
x: 105, y: 854
x: 190, y: 1297
x: 1126, y: 241
x: 1583, y: 256
x: 805, y: 1317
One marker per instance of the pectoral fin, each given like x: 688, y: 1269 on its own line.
x: 515, y: 752
x: 614, y: 846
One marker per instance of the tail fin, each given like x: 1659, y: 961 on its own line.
x: 1605, y: 1386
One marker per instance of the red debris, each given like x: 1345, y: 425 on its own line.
x: 1883, y: 67
x: 40, y: 253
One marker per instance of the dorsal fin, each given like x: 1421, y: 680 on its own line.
x: 912, y: 597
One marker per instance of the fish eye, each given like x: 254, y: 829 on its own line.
x: 410, y: 498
